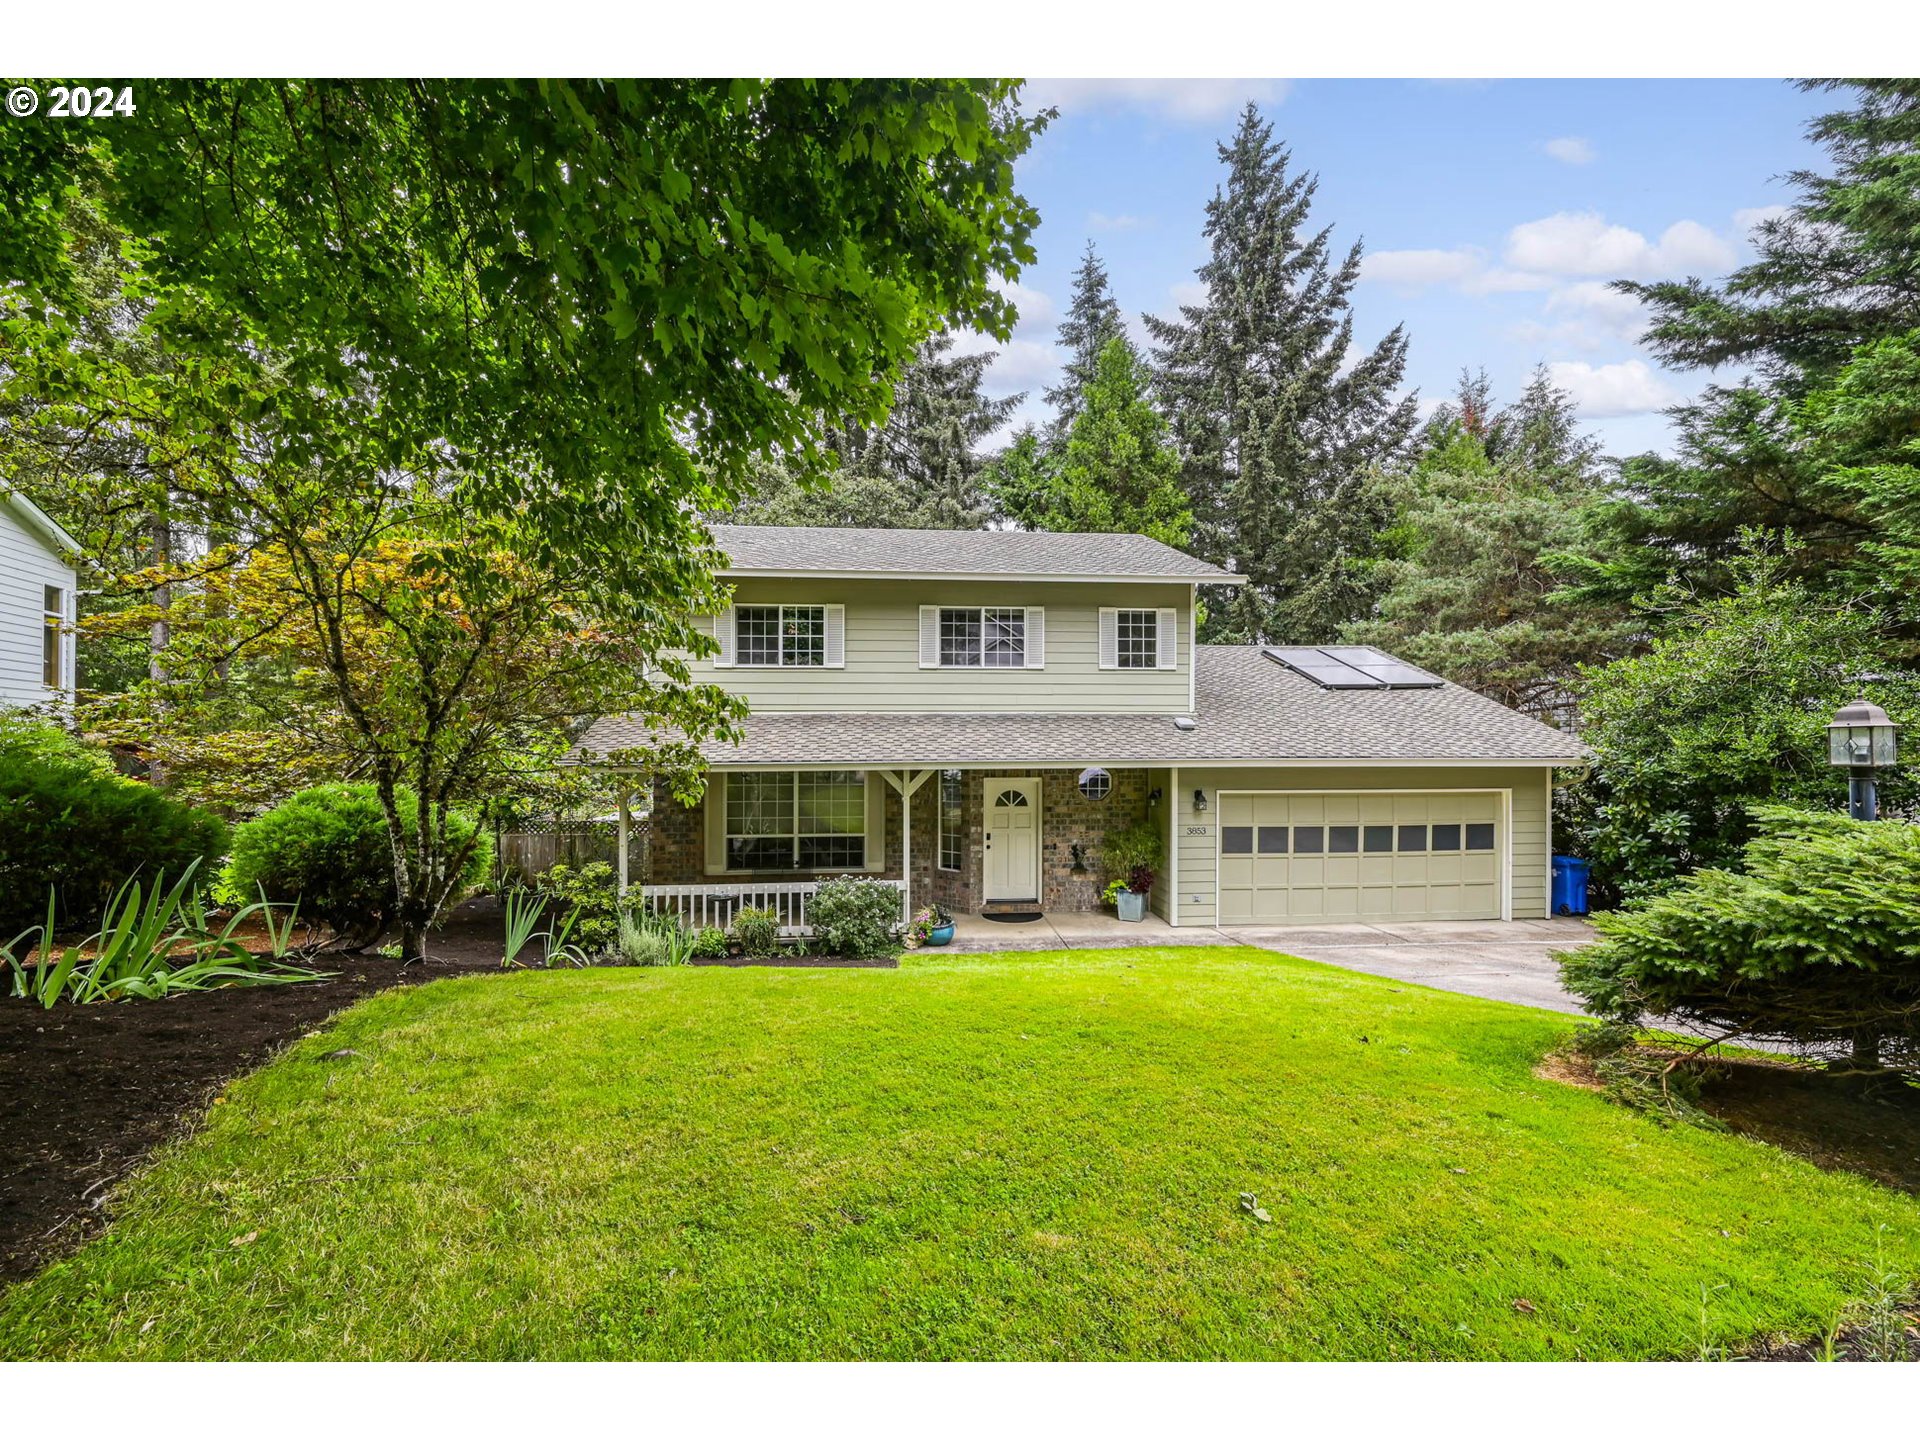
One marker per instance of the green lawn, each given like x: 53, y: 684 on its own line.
x: 1010, y: 1156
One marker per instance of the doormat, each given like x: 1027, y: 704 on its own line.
x: 1012, y: 917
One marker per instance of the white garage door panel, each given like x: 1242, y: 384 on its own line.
x: 1360, y: 856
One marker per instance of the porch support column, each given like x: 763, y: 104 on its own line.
x: 906, y: 783
x: 625, y: 829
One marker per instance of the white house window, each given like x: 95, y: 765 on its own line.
x: 990, y: 637
x: 1138, y: 639
x: 952, y: 836
x: 804, y: 820
x: 53, y: 642
x: 780, y: 635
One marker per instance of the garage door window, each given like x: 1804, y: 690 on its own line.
x: 1236, y: 840
x: 1309, y: 839
x: 1273, y: 839
x: 1479, y: 837
x: 1413, y: 840
x: 1379, y: 839
x: 1446, y: 837
x: 1343, y: 839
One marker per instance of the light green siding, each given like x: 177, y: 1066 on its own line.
x: 1197, y: 834
x: 882, y: 671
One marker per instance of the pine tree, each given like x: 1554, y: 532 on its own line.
x: 1281, y: 442
x: 1093, y: 318
x: 921, y: 470
x: 1116, y: 470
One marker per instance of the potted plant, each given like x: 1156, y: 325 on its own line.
x: 932, y: 926
x: 1131, y: 858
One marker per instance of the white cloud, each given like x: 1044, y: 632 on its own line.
x: 1017, y: 365
x: 1413, y: 268
x: 1099, y: 221
x: 1629, y: 387
x: 1584, y: 243
x: 1188, y: 292
x: 1035, y: 306
x: 1748, y: 220
x: 1599, y: 305
x: 1570, y: 150
x: 1185, y: 101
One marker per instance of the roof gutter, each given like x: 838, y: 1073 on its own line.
x: 1224, y: 577
x: 38, y: 519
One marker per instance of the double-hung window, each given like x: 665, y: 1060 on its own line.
x: 783, y: 636
x: 53, y: 645
x: 1139, y: 639
x: 982, y: 637
x: 796, y: 820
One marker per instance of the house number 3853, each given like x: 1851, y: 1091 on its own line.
x: 1197, y: 830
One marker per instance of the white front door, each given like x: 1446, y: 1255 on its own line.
x: 1013, y: 839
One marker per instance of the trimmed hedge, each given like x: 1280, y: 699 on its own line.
x: 327, y: 848
x: 67, y: 820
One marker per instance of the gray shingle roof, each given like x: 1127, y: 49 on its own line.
x: 817, y: 549
x: 1248, y: 708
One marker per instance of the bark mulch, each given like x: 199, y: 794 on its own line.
x: 88, y: 1091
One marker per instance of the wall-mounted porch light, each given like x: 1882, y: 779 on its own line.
x: 1199, y: 802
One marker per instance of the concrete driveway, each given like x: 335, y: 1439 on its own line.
x: 1494, y: 959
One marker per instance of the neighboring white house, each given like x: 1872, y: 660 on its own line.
x: 37, y: 598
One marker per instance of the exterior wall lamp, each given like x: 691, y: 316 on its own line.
x: 1862, y: 740
x: 1199, y: 802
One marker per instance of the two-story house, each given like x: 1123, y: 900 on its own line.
x: 37, y: 598
x: 971, y: 713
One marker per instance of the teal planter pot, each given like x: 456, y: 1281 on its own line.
x: 940, y: 934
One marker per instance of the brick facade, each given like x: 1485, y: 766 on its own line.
x: 677, y: 844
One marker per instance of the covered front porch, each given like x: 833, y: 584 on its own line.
x: 968, y: 839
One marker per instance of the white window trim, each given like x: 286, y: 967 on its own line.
x: 58, y: 621
x: 1166, y: 641
x: 833, y: 641
x: 1033, y: 640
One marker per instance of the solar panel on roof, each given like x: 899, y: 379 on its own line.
x: 1395, y: 673
x: 1351, y: 667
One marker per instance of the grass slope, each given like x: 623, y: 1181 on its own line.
x: 1013, y: 1156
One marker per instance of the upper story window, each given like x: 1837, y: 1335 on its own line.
x: 53, y: 653
x: 1139, y: 639
x: 784, y: 636
x: 982, y: 637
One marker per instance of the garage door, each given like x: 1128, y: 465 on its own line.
x: 1293, y: 858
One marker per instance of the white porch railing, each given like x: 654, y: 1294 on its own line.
x: 699, y: 905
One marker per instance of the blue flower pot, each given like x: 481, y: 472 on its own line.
x: 940, y: 934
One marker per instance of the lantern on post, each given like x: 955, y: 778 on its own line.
x: 1863, y: 740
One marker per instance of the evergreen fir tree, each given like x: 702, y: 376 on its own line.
x: 1281, y: 444
x: 1093, y: 318
x: 921, y: 470
x: 1116, y: 470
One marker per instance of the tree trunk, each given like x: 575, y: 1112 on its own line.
x: 160, y: 633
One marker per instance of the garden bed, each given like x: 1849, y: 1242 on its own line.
x: 87, y: 1091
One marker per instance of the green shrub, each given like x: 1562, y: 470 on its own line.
x: 855, y: 918
x: 1815, y: 941
x: 710, y: 943
x: 757, y: 931
x: 648, y: 938
x: 68, y: 822
x: 591, y: 895
x: 328, y: 849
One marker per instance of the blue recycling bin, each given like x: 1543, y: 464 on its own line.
x: 1569, y: 885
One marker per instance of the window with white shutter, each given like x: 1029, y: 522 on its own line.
x: 1109, y: 639
x: 723, y: 632
x: 1169, y: 641
x: 929, y: 637
x: 1036, y: 638
x: 836, y: 637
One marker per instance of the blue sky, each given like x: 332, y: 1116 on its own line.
x: 1493, y: 213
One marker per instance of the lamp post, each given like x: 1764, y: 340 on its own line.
x: 1862, y: 739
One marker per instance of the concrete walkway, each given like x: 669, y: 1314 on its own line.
x: 1494, y: 959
